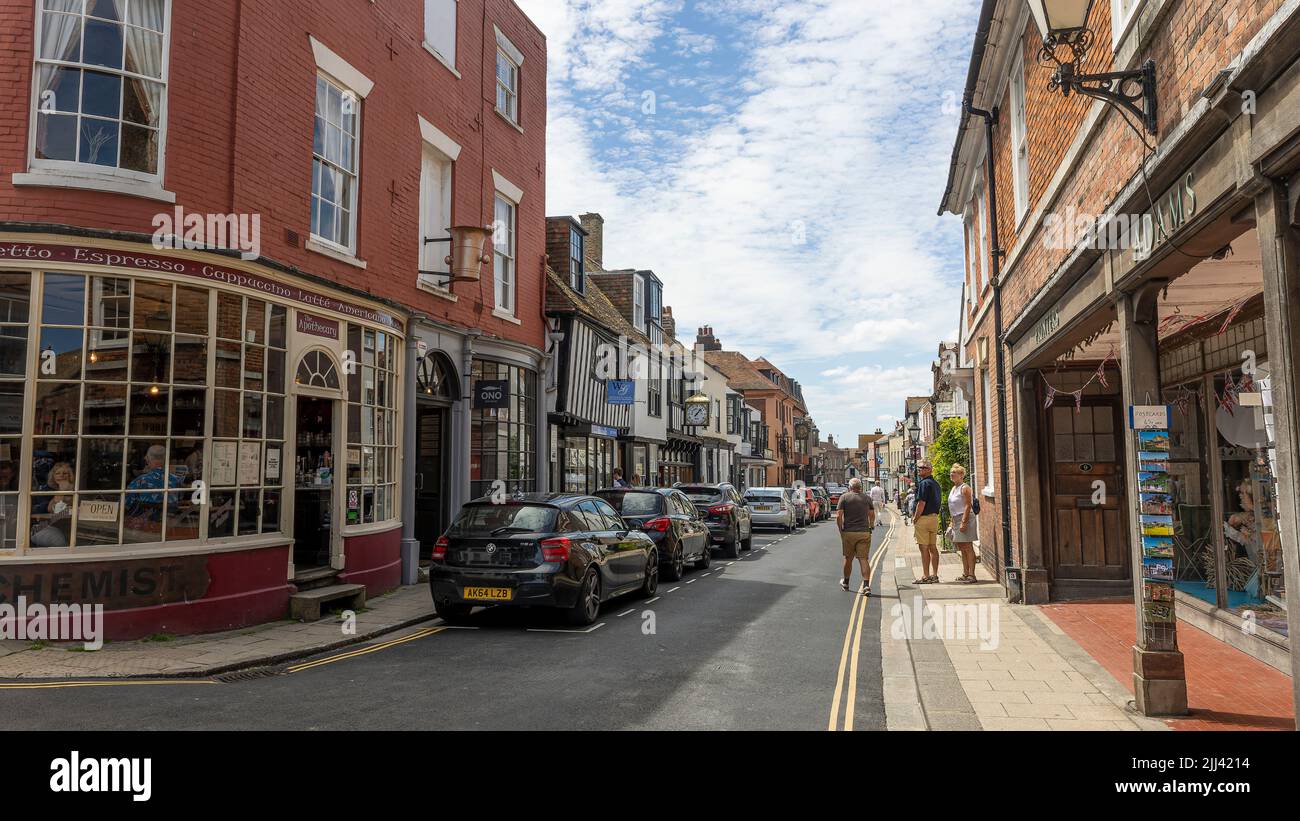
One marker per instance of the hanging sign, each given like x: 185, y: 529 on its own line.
x: 492, y: 394
x: 620, y: 392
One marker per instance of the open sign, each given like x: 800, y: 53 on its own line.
x: 492, y: 394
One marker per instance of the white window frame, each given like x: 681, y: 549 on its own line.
x: 350, y: 248
x: 435, y: 201
x: 72, y: 174
x: 972, y: 252
x: 982, y: 225
x: 1019, y: 138
x: 638, y: 303
x: 443, y: 49
x: 988, y: 433
x: 515, y: 59
x: 337, y: 71
x: 1122, y: 14
x: 506, y: 285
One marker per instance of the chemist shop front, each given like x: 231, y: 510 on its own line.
x: 182, y: 435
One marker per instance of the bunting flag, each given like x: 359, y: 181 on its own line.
x: 1078, y: 401
x: 1051, y: 398
x: 1229, y: 398
x: 1232, y: 314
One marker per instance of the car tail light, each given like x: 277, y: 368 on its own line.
x: 440, y: 549
x: 556, y: 550
x: 659, y: 525
x: 721, y: 510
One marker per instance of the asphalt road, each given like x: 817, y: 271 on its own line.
x: 768, y: 641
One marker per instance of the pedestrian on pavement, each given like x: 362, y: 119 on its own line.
x: 925, y: 522
x: 965, y: 528
x: 905, y: 504
x: 618, y: 478
x: 856, y: 517
x: 877, y: 500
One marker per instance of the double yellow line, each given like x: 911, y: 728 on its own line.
x: 848, y: 695
x: 374, y: 648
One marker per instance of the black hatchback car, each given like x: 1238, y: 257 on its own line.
x: 724, y: 511
x: 545, y: 550
x: 668, y: 518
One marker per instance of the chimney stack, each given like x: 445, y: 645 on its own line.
x: 669, y: 324
x: 594, y: 225
x: 707, y: 340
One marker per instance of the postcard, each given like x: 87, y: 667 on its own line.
x: 1158, y: 569
x: 1158, y: 547
x: 1158, y: 612
x: 1154, y: 440
x: 1157, y: 591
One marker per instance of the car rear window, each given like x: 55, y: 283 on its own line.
x: 701, y: 494
x: 500, y: 520
x: 763, y: 497
x: 633, y: 504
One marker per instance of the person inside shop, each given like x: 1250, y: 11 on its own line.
x: 146, y: 509
x: 52, y: 515
x: 8, y: 477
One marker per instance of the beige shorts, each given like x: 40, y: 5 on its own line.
x: 927, y: 530
x: 856, y: 545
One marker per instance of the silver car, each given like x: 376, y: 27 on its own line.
x: 802, y: 513
x: 771, y: 507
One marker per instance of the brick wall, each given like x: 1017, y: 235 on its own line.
x: 239, y: 139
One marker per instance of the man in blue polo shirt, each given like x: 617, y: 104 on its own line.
x: 925, y: 523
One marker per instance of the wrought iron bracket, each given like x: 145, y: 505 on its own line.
x: 1132, y: 91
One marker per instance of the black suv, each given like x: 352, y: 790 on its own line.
x: 724, y: 511
x: 551, y: 550
x: 669, y: 518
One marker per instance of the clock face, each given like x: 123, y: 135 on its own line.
x: 697, y: 414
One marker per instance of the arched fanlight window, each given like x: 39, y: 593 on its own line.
x: 435, y: 378
x: 317, y: 370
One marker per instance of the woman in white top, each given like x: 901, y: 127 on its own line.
x: 964, y: 525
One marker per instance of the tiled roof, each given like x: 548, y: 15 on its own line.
x: 594, y: 305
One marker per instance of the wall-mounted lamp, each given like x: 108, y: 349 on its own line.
x: 1064, y: 24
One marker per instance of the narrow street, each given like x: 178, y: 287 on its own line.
x: 750, y: 644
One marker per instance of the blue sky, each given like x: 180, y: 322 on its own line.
x: 778, y: 163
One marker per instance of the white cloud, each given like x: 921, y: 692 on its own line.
x: 835, y: 135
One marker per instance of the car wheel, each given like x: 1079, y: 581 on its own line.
x: 650, y: 585
x: 706, y: 559
x: 676, y: 566
x: 587, y: 607
x: 452, y: 613
x: 748, y: 543
x: 731, y: 549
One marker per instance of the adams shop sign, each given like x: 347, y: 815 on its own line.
x: 41, y: 254
x: 116, y: 585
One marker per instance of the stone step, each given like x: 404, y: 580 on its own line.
x: 314, y: 577
x: 306, y: 605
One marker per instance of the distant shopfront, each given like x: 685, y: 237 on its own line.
x: 202, y: 429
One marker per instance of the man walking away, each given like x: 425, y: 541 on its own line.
x: 878, y: 500
x: 856, y: 517
x: 926, y: 524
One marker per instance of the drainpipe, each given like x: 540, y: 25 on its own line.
x: 410, y: 545
x: 460, y: 487
x: 990, y: 120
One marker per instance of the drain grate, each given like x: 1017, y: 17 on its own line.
x: 248, y: 675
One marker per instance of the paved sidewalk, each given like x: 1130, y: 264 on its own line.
x: 1013, y: 669
x: 214, y: 653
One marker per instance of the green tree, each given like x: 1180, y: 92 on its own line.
x: 952, y: 447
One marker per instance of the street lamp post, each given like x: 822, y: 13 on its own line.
x: 914, y: 436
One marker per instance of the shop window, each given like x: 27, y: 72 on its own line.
x: 335, y: 148
x: 372, y: 439
x: 101, y: 86
x: 125, y: 449
x: 503, y: 441
x: 15, y: 313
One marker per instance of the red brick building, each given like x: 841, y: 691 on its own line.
x: 239, y: 412
x: 1109, y: 266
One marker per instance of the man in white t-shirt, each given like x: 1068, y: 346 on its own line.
x: 878, y: 500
